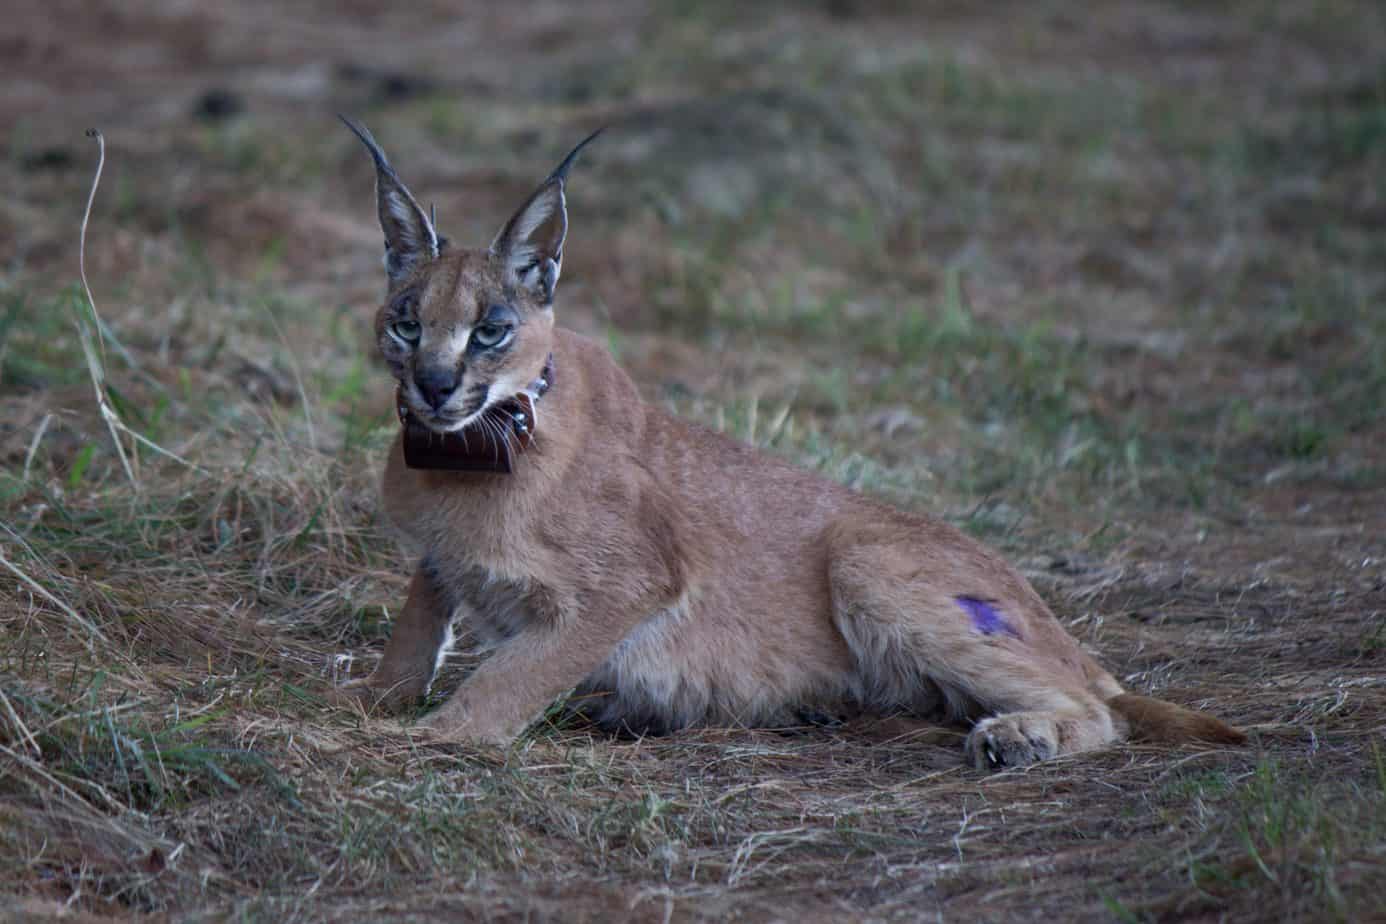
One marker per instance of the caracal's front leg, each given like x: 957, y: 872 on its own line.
x: 514, y: 686
x: 411, y: 654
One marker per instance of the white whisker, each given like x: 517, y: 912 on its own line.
x: 487, y: 432
x: 512, y: 442
x: 497, y: 435
x: 534, y: 420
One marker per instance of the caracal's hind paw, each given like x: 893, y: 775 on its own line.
x: 1011, y: 741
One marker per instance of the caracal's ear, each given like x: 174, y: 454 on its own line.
x: 531, y: 243
x: 409, y: 236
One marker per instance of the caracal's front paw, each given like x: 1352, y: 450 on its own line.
x: 451, y: 724
x: 376, y: 694
x: 1011, y: 741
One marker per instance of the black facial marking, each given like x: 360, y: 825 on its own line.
x: 475, y: 397
x: 404, y: 303
x: 500, y: 313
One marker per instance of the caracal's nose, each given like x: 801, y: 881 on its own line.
x: 436, y: 385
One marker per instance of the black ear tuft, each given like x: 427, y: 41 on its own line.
x: 561, y: 171
x: 410, y: 238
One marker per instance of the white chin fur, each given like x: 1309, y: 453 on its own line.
x: 439, y: 426
x: 450, y: 426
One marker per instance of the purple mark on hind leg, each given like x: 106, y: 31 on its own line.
x: 986, y: 618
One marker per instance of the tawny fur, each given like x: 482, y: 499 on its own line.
x: 668, y: 576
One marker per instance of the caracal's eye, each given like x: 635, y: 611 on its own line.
x: 407, y: 330
x: 489, y: 335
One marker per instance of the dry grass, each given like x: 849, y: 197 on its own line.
x: 1106, y: 288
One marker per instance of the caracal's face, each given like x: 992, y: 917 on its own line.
x: 460, y: 337
x: 463, y: 330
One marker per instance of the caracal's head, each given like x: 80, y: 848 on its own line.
x: 465, y: 329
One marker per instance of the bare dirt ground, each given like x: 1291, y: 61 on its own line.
x: 1101, y: 283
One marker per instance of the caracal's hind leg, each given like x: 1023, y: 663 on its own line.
x: 923, y: 607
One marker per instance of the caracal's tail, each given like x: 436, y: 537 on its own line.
x: 1156, y: 720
